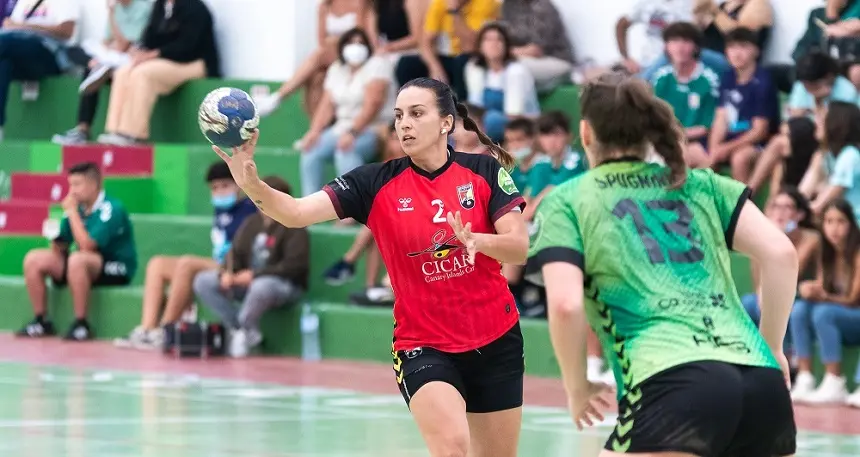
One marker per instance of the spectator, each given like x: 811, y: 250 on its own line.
x: 267, y: 267
x: 335, y: 17
x: 789, y: 210
x: 787, y: 156
x: 6, y: 8
x: 357, y: 87
x: 447, y: 41
x: 748, y: 114
x: 464, y: 140
x: 178, y: 272
x: 520, y: 142
x: 828, y: 307
x: 559, y: 164
x: 842, y: 137
x: 497, y: 82
x: 126, y: 21
x: 841, y: 34
x: 396, y: 24
x: 99, y: 227
x: 33, y: 43
x: 539, y: 41
x: 178, y: 46
x: 718, y: 18
x: 690, y: 87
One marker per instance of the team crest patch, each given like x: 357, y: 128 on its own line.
x: 506, y: 182
x: 466, y: 195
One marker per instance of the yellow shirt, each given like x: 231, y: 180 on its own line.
x: 476, y: 13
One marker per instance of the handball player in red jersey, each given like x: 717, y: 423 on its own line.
x: 444, y: 222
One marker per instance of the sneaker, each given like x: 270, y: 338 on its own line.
x: 239, y: 346
x: 608, y: 378
x: 255, y: 338
x: 154, y: 339
x: 373, y: 296
x: 136, y: 338
x: 340, y: 273
x: 79, y: 331
x: 831, y: 390
x: 95, y: 80
x: 854, y: 399
x: 804, y: 386
x: 72, y: 136
x: 594, y: 367
x: 109, y: 138
x: 37, y: 328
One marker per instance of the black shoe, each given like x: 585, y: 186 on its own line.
x: 79, y: 331
x: 37, y: 328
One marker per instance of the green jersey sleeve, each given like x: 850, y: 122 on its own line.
x: 729, y: 197
x: 65, y: 235
x: 112, y: 221
x: 555, y: 236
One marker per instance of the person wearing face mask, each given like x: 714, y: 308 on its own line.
x: 231, y: 210
x: 357, y: 88
x: 520, y: 140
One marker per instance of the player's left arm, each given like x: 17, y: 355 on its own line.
x: 510, y: 242
x: 556, y: 261
x: 79, y: 233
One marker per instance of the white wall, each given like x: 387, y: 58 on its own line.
x: 267, y: 39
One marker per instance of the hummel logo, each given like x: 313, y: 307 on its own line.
x: 405, y: 205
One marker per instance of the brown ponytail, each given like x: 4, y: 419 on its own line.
x: 626, y: 116
x: 504, y: 157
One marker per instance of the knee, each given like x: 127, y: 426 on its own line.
x: 455, y: 444
x: 800, y: 311
x: 206, y: 281
x: 36, y: 261
x: 260, y: 289
x: 823, y: 316
x: 156, y: 265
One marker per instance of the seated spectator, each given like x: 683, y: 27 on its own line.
x: 467, y: 141
x: 842, y: 136
x: 33, y: 43
x: 748, y: 114
x: 828, y: 307
x: 497, y: 82
x: 718, y: 18
x: 178, y: 46
x: 335, y: 17
x: 690, y: 87
x: 396, y: 24
x: 520, y: 142
x: 447, y: 41
x: 99, y: 227
x: 357, y: 88
x: 657, y: 15
x: 842, y: 30
x: 126, y: 21
x: 558, y: 164
x: 787, y: 156
x: 789, y: 210
x: 179, y: 272
x: 539, y: 41
x: 267, y: 267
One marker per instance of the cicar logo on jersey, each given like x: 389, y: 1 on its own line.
x: 448, y: 260
x: 466, y: 195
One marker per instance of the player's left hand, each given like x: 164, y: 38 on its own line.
x: 464, y: 234
x: 586, y: 405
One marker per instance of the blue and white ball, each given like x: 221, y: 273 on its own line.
x: 228, y: 117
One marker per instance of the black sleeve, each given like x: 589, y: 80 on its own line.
x: 193, y: 23
x: 352, y: 194
x: 504, y: 195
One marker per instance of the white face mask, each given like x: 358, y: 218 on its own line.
x: 355, y: 53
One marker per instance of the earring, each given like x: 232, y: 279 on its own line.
x: 444, y: 131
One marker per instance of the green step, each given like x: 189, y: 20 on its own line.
x: 14, y: 157
x: 135, y: 193
x: 12, y: 252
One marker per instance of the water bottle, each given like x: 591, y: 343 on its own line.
x: 310, y: 328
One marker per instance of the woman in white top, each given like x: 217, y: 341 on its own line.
x: 357, y: 87
x: 497, y: 82
x: 335, y: 17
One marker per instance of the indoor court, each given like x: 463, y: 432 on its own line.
x: 90, y: 399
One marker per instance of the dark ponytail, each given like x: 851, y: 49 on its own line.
x: 504, y: 157
x: 626, y: 116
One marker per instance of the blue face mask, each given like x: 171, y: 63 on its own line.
x: 223, y: 201
x: 790, y: 226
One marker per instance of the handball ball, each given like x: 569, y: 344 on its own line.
x: 228, y: 117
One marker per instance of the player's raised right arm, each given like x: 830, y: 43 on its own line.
x: 289, y: 211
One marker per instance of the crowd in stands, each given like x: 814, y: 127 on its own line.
x: 702, y: 57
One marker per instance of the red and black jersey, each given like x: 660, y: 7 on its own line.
x: 441, y: 301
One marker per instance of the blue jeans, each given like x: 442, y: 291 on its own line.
x: 750, y: 304
x: 495, y: 118
x: 712, y: 59
x: 834, y: 326
x: 313, y: 161
x: 22, y: 57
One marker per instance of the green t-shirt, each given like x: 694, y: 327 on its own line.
x: 694, y: 101
x: 543, y: 174
x: 659, y: 288
x: 110, y: 227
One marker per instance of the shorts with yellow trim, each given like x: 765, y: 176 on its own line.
x: 489, y: 378
x: 708, y: 409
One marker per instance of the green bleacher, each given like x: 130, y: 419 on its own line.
x: 172, y: 216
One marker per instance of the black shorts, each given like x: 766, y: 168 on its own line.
x: 489, y: 378
x: 709, y: 409
x: 113, y: 273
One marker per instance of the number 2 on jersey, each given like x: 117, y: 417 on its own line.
x: 680, y: 226
x: 439, y: 218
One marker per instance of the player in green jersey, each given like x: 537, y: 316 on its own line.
x: 642, y: 250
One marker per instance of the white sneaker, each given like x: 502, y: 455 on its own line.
x: 136, y: 338
x: 831, y: 390
x: 804, y: 386
x: 594, y: 367
x: 608, y: 378
x: 254, y: 338
x: 238, y: 344
x: 154, y: 339
x: 854, y: 399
